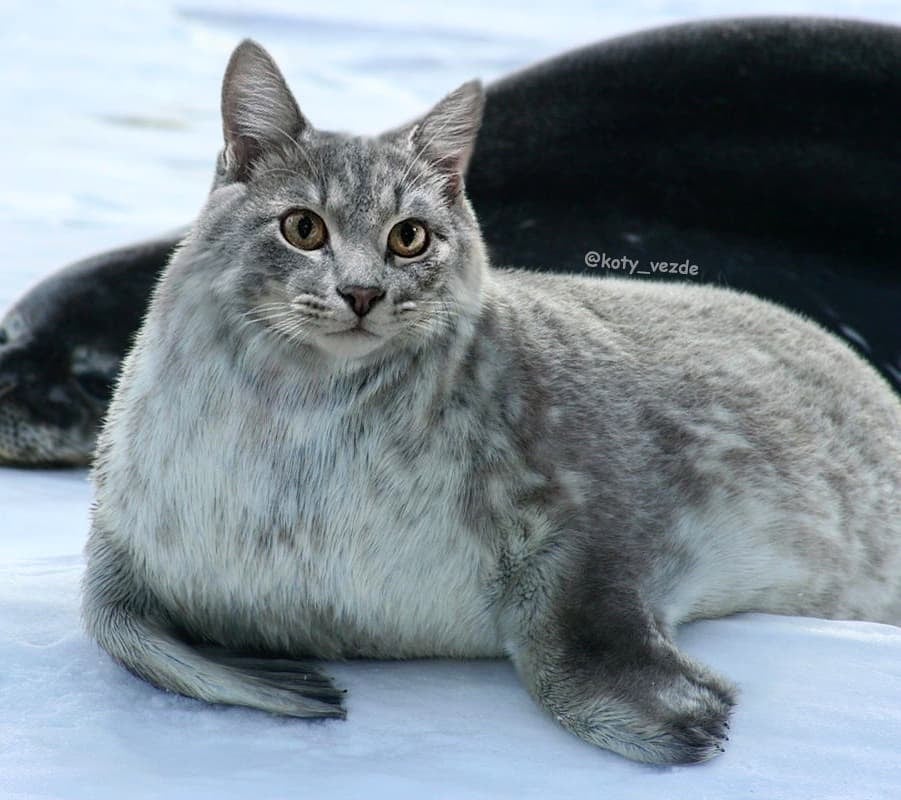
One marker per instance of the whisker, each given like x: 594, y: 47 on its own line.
x: 259, y: 315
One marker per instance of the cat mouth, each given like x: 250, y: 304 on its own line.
x: 352, y: 342
x: 355, y: 331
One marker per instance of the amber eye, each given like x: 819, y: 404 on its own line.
x: 408, y: 238
x: 304, y: 229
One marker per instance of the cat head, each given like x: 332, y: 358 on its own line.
x: 352, y: 246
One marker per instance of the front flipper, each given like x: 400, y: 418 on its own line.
x: 606, y: 672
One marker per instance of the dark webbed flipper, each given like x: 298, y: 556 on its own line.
x: 130, y: 625
x: 284, y: 674
x: 279, y: 686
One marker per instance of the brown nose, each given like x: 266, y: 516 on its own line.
x: 361, y: 298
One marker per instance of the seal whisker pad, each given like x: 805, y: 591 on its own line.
x: 342, y: 433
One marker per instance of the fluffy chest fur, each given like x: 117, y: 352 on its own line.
x: 310, y: 528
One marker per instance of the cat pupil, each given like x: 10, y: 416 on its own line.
x: 407, y: 234
x: 305, y: 227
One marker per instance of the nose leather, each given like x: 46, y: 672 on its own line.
x: 361, y: 298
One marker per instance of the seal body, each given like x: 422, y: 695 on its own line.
x: 341, y: 433
x: 562, y: 524
x: 61, y: 348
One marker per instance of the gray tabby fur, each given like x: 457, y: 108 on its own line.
x: 556, y: 469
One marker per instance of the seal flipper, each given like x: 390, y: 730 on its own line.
x: 126, y: 621
x: 606, y: 672
x: 278, y: 672
x: 159, y: 658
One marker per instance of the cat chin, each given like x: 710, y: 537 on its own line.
x: 350, y: 345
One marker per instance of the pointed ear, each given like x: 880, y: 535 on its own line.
x: 259, y: 113
x: 446, y: 136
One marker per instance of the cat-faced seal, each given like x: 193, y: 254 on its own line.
x: 341, y: 433
x: 765, y: 150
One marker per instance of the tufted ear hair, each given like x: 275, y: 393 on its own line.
x: 446, y: 135
x: 259, y: 113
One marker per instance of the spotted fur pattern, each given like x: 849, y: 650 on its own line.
x: 556, y: 469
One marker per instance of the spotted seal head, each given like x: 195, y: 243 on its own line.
x: 60, y: 350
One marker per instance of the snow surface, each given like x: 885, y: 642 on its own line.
x: 109, y: 128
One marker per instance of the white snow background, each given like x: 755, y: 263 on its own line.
x: 108, y: 129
